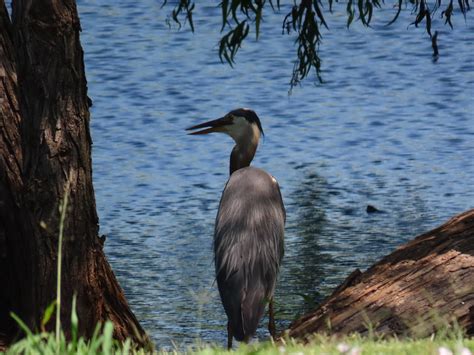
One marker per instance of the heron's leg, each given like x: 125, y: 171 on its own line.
x: 271, y: 319
x: 229, y: 336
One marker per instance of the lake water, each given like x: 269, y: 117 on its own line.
x: 390, y: 128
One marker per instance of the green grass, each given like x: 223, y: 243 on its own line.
x: 356, y: 345
x: 450, y: 340
x: 103, y: 343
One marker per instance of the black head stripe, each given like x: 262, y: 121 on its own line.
x: 249, y: 115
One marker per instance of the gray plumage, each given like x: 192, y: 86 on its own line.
x: 249, y: 230
x: 248, y: 246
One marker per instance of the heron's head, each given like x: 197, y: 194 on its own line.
x: 242, y: 124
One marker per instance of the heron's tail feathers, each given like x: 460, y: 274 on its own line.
x: 252, y: 310
x: 244, y: 298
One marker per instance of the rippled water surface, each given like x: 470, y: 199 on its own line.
x: 389, y: 128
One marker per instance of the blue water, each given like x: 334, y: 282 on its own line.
x: 390, y: 128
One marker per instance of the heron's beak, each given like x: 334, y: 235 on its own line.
x: 218, y: 125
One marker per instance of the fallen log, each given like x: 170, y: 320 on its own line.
x: 425, y: 286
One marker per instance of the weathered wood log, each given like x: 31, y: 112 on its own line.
x: 423, y: 287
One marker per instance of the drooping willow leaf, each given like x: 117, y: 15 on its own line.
x: 305, y: 20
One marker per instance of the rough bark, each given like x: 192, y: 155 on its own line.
x: 11, y: 159
x: 424, y: 286
x: 44, y: 141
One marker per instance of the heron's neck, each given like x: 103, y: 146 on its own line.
x: 240, y: 158
x: 244, y: 150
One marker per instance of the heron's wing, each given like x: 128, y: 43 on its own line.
x: 281, y: 201
x: 248, y: 246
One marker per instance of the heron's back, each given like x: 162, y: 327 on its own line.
x: 248, y: 246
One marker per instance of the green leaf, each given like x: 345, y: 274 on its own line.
x: 360, y: 5
x: 273, y: 6
x: 350, y: 12
x: 190, y: 17
x: 225, y: 13
x: 48, y: 313
x: 233, y: 7
x: 126, y: 347
x: 447, y: 14
x: 320, y: 13
x: 428, y: 22
x: 369, y: 7
x: 21, y: 324
x: 400, y: 2
x: 463, y: 8
x: 258, y: 18
x: 107, y: 335
x: 74, y: 320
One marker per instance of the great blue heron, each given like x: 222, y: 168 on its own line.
x: 249, y: 229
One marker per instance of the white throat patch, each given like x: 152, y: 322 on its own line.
x: 243, y: 132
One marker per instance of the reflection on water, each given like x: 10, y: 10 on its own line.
x: 390, y: 128
x: 304, y: 270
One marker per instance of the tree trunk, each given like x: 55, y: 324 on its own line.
x: 44, y: 141
x: 424, y: 286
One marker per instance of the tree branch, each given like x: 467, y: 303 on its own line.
x: 305, y: 20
